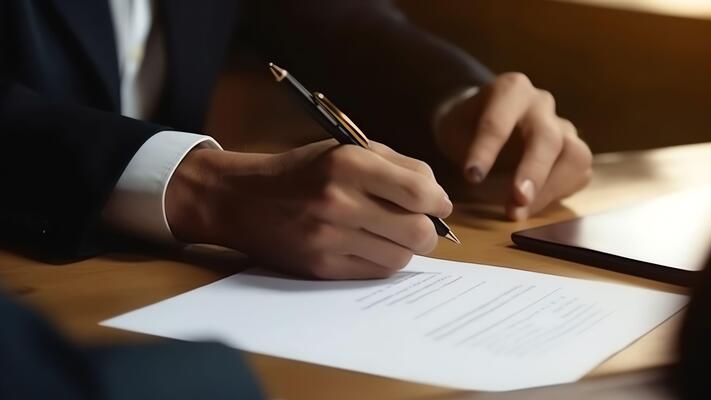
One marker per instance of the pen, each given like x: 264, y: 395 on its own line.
x: 340, y: 127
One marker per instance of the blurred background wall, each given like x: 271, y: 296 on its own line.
x: 631, y: 74
x: 627, y: 77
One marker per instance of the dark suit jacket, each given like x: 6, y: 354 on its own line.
x: 63, y: 144
x: 37, y: 363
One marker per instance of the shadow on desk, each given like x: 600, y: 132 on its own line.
x: 216, y: 259
x: 645, y: 385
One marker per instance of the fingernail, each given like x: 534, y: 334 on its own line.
x: 519, y: 213
x: 527, y: 190
x: 475, y: 175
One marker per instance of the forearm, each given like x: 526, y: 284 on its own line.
x: 59, y: 164
x: 195, y: 193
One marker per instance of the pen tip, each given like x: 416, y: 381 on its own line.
x: 279, y: 73
x: 451, y: 236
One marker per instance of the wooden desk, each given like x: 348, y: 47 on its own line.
x: 78, y: 296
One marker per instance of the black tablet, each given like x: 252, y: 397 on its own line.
x: 667, y: 238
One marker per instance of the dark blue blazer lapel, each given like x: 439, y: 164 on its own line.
x: 90, y: 22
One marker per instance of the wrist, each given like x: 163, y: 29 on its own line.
x: 186, y: 193
x: 195, y: 195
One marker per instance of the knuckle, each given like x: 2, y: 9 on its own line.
x: 380, y: 148
x: 348, y: 151
x: 423, y: 168
x: 516, y: 79
x: 552, y: 136
x: 581, y: 153
x: 342, y: 160
x: 546, y: 98
x: 587, y: 157
x: 578, y: 158
x: 330, y: 203
x: 569, y: 127
x: 418, y: 193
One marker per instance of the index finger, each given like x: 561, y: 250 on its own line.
x: 410, y: 190
x: 508, y: 101
x: 570, y: 173
x: 402, y: 160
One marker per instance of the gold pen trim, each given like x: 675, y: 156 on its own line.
x: 354, y: 131
x: 279, y: 73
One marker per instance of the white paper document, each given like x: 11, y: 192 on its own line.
x: 440, y: 322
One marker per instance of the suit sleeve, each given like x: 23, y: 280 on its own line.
x: 38, y: 363
x: 58, y: 165
x: 384, y: 71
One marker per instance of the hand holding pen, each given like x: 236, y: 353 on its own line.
x: 340, y: 127
x: 323, y: 210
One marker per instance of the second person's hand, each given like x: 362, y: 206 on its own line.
x: 554, y: 163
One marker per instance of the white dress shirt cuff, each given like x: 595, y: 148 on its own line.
x: 137, y: 204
